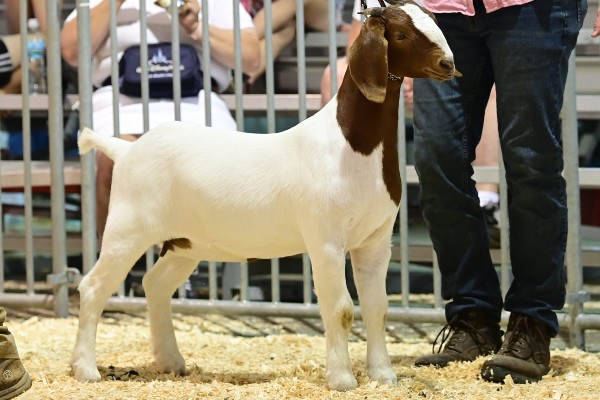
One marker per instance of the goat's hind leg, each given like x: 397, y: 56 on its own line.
x: 369, y: 266
x: 337, y: 311
x: 159, y: 284
x: 118, y: 255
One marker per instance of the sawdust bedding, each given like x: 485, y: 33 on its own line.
x: 271, y: 365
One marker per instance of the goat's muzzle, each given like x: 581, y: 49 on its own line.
x: 445, y: 70
x: 449, y: 65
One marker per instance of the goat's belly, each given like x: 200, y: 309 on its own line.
x: 242, y: 244
x: 217, y: 252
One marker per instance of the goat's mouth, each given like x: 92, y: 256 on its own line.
x: 444, y: 75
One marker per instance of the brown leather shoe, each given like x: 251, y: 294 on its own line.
x: 470, y: 334
x: 14, y: 380
x: 524, y: 355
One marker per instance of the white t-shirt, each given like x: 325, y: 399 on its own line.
x: 220, y: 15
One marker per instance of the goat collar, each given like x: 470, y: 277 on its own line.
x: 393, y: 77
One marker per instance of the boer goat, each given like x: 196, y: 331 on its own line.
x: 328, y: 186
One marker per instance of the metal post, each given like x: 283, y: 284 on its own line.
x: 88, y: 187
x: 571, y: 174
x: 206, y: 62
x: 237, y: 73
x: 176, y: 61
x: 301, y: 54
x: 403, y: 213
x: 275, y: 281
x: 306, y: 279
x: 505, y: 270
x: 55, y: 124
x: 269, y: 66
x: 26, y: 123
x: 332, y: 46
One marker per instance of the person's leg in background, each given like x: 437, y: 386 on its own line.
x: 14, y: 380
x: 10, y: 80
x: 104, y: 169
x: 10, y: 62
x: 487, y: 155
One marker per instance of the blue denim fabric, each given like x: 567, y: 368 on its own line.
x: 524, y: 50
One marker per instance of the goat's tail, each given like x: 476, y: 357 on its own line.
x: 111, y: 146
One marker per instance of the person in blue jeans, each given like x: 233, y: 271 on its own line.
x: 523, y: 47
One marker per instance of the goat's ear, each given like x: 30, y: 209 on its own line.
x: 367, y: 60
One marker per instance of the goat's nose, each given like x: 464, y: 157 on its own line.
x: 447, y: 64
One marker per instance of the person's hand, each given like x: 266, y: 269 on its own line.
x: 189, y: 16
x: 596, y: 30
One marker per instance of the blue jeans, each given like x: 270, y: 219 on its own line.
x: 524, y: 50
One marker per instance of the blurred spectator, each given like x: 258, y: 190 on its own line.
x: 35, y: 9
x: 284, y: 24
x: 10, y: 46
x: 159, y: 31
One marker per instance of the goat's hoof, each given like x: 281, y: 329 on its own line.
x: 85, y: 374
x: 169, y: 363
x: 383, y: 375
x: 341, y: 381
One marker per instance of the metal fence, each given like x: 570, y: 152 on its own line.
x: 57, y: 174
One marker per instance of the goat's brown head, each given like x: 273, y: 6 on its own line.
x: 397, y: 41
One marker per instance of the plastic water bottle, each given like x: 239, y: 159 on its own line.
x: 36, y: 49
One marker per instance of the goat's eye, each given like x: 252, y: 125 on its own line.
x: 401, y: 36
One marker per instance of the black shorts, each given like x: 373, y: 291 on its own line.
x: 6, y: 67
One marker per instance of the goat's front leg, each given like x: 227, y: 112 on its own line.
x: 159, y: 284
x: 337, y: 311
x: 369, y: 266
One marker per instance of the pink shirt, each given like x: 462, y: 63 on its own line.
x: 466, y: 6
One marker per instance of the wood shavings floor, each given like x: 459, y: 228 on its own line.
x: 257, y: 358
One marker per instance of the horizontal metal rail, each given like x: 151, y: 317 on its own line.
x: 587, y: 104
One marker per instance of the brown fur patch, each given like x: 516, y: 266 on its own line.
x: 347, y: 319
x: 366, y: 125
x: 182, y: 243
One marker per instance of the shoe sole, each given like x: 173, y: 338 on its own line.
x: 431, y: 364
x: 499, y: 374
x: 21, y: 387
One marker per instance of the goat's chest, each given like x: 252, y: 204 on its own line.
x: 361, y: 196
x: 363, y: 177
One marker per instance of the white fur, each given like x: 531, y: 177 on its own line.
x: 237, y: 196
x: 427, y: 26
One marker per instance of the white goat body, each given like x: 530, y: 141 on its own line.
x: 239, y: 196
x: 328, y: 186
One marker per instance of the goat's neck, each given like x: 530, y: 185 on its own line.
x: 366, y: 125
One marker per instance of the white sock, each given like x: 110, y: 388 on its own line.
x: 486, y: 197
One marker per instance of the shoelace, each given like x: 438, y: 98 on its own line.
x: 524, y: 330
x: 456, y: 325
